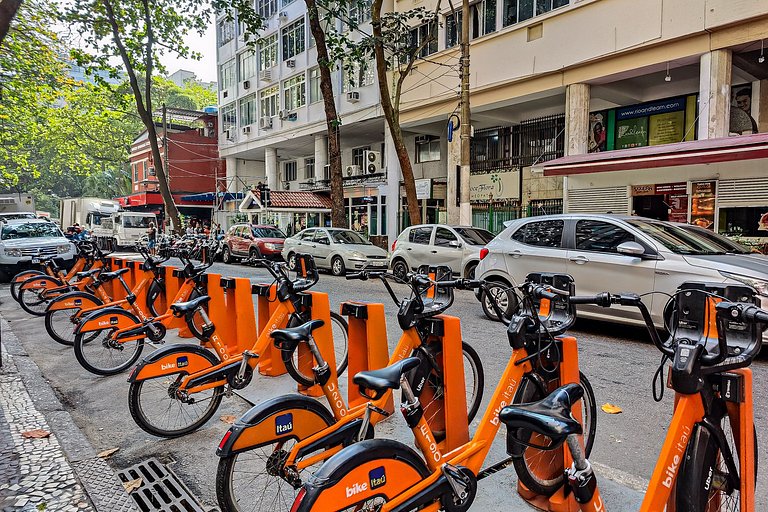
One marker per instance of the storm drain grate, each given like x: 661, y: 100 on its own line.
x: 160, y: 490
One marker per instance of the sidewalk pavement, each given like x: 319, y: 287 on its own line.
x: 60, y: 472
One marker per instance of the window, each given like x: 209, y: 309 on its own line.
x: 247, y: 64
x: 289, y: 171
x: 135, y: 172
x: 309, y: 168
x: 548, y: 233
x: 595, y: 235
x: 425, y: 37
x: 321, y: 237
x: 482, y: 18
x: 452, y: 29
x: 268, y: 52
x: 427, y: 149
x: 226, y: 31
x: 266, y: 8
x: 314, y: 85
x: 516, y: 11
x: 269, y: 101
x: 294, y: 92
x: 227, y: 74
x: 308, y: 234
x: 359, y: 12
x: 228, y: 117
x: 358, y: 156
x: 293, y: 39
x: 357, y: 75
x: 248, y: 113
x: 420, y: 235
x: 444, y: 237
x: 475, y: 236
x: 286, y: 2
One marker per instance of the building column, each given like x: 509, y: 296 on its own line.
x: 392, y: 188
x: 271, y: 170
x: 453, y: 161
x: 321, y: 155
x: 232, y: 183
x: 576, y: 119
x: 715, y: 94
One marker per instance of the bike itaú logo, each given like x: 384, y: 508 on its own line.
x: 78, y: 302
x: 167, y: 366
x: 506, y: 399
x: 113, y: 320
x: 284, y: 424
x: 182, y: 361
x: 376, y: 478
x: 671, y: 470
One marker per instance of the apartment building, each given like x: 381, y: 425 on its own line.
x: 655, y: 108
x: 272, y: 125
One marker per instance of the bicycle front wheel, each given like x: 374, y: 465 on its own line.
x: 98, y: 353
x: 32, y: 300
x: 299, y: 364
x: 541, y: 471
x: 19, y: 279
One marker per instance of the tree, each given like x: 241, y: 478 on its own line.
x: 137, y: 32
x: 8, y: 9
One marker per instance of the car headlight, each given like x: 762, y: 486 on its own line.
x: 63, y: 248
x: 269, y: 246
x: 357, y: 256
x: 13, y: 253
x: 758, y: 284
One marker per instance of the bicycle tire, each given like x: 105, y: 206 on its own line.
x: 82, y: 340
x: 55, y: 323
x: 15, y: 285
x: 291, y: 362
x: 531, y: 391
x: 698, y: 478
x: 30, y: 299
x: 142, y: 420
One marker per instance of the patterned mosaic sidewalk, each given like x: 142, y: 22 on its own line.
x: 34, y: 473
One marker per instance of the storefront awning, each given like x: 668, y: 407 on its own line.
x: 287, y: 201
x: 726, y: 149
x: 208, y: 197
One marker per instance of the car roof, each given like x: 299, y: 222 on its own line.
x: 579, y: 216
x: 26, y: 221
x: 454, y: 226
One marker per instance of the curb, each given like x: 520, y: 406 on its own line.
x: 99, y: 481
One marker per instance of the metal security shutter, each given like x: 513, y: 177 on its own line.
x: 598, y: 200
x: 748, y: 192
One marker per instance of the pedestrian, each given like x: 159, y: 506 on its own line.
x: 151, y: 238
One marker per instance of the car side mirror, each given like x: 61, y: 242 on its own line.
x: 455, y: 244
x: 631, y: 249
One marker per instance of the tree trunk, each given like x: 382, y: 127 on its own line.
x: 8, y: 10
x: 392, y: 115
x: 332, y: 121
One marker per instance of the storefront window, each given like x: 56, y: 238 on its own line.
x: 744, y: 221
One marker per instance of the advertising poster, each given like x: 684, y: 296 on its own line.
x: 703, y: 204
x: 598, y: 132
x: 666, y: 128
x: 741, y: 101
x: 632, y: 133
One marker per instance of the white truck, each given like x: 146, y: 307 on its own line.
x: 17, y: 206
x: 122, y: 229
x: 86, y: 211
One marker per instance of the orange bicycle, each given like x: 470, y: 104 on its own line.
x: 292, y: 433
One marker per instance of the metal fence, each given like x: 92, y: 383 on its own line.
x: 493, y: 216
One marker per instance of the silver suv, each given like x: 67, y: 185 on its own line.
x: 24, y: 241
x: 438, y: 244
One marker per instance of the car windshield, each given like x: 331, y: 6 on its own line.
x: 18, y: 215
x: 132, y: 221
x: 31, y: 230
x: 475, y: 236
x: 268, y: 233
x: 677, y: 239
x: 347, y: 237
x: 721, y: 241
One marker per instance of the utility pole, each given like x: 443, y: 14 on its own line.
x: 465, y: 210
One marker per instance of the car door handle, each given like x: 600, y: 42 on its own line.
x: 408, y: 249
x: 433, y: 252
x: 579, y: 260
x: 314, y: 246
x: 515, y: 254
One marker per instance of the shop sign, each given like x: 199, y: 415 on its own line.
x: 487, y: 187
x: 424, y: 188
x: 643, y: 190
x: 649, y: 109
x: 703, y: 203
x: 671, y: 188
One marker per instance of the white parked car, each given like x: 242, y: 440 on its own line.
x: 24, y: 241
x: 338, y: 250
x: 457, y: 247
x: 616, y: 254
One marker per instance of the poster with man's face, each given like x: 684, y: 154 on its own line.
x: 597, y: 132
x: 741, y: 101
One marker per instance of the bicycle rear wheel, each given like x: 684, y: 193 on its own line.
x: 32, y: 300
x: 541, y: 471
x: 60, y: 323
x: 98, y: 353
x: 294, y: 362
x: 19, y: 279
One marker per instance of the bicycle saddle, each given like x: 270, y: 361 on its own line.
x: 290, y: 337
x: 186, y: 307
x: 550, y: 417
x: 88, y: 273
x: 386, y: 378
x: 106, y: 276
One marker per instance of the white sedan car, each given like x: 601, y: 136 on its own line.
x: 338, y: 250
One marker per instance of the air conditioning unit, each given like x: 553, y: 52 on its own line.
x: 372, y: 161
x: 353, y: 96
x: 282, y: 114
x: 265, y: 123
x: 327, y: 171
x: 353, y: 170
x: 246, y: 130
x: 246, y: 84
x: 209, y: 124
x: 290, y: 63
x: 420, y: 139
x: 224, y: 94
x: 152, y: 171
x: 265, y: 75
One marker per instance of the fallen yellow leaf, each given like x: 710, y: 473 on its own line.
x: 132, y: 485
x: 611, y: 409
x: 228, y: 418
x: 38, y: 433
x: 107, y: 453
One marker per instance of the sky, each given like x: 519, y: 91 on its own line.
x: 205, y: 69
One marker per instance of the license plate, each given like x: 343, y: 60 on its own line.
x: 35, y: 261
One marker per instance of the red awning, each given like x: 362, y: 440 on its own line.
x: 726, y: 149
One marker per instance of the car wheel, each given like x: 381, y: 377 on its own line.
x: 226, y: 256
x: 400, y: 269
x: 337, y: 266
x: 254, y: 255
x: 506, y: 300
x: 470, y: 272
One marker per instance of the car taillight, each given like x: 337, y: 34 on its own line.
x: 298, y: 500
x: 484, y: 252
x: 224, y: 439
x: 394, y: 244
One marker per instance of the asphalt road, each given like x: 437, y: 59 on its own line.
x: 619, y: 361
